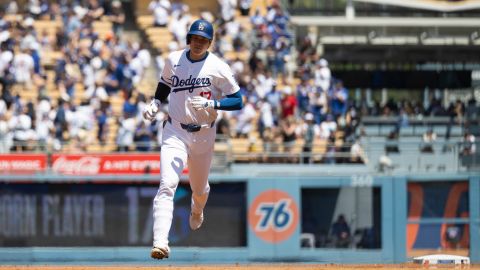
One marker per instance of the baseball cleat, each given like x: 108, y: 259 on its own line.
x: 196, y: 220
x: 160, y: 253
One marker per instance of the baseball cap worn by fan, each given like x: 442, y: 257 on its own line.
x: 308, y: 116
x: 323, y: 62
x: 116, y: 4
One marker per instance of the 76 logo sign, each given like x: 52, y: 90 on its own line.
x: 273, y: 216
x: 277, y: 215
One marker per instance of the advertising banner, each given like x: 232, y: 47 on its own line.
x: 447, y: 200
x: 23, y: 163
x: 97, y: 164
x: 55, y: 215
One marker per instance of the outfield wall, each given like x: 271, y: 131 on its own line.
x: 255, y: 213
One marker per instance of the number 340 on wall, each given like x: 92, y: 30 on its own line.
x: 361, y: 181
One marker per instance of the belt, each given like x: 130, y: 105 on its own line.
x: 192, y: 127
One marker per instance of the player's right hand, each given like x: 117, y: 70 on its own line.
x: 151, y: 110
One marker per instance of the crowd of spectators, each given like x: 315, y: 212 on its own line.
x: 89, y: 69
x: 287, y: 100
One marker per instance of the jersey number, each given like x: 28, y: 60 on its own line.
x: 206, y: 95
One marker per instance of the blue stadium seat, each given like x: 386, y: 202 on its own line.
x: 386, y: 129
x: 419, y: 130
x: 440, y: 130
x: 406, y: 131
x: 456, y: 131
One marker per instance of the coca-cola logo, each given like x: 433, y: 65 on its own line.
x: 83, y: 165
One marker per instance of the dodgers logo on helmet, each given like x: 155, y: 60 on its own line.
x: 200, y: 28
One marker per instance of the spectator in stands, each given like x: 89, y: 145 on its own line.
x: 130, y: 108
x: 143, y: 137
x: 340, y: 232
x: 95, y: 9
x: 227, y: 9
x: 328, y: 127
x: 34, y: 8
x: 179, y: 25
x: 55, y: 11
x: 289, y: 103
x: 318, y: 104
x: 274, y: 98
x: 258, y: 22
x: 453, y: 237
x: 435, y: 108
x: 81, y: 121
x: 403, y: 120
x: 144, y: 55
x: 178, y: 7
x: 357, y: 152
x: 3, y: 107
x: 266, y: 119
x: 111, y: 80
x: 270, y: 144
x: 472, y: 111
x: 6, y: 76
x: 23, y: 65
x: 392, y: 142
x: 5, y: 134
x: 352, y: 120
x: 238, y: 66
x: 330, y: 156
x: 161, y: 10
x: 244, y: 6
x: 223, y: 124
x: 244, y: 119
x: 101, y: 115
x: 322, y: 75
x: 60, y: 120
x: 206, y: 15
x: 73, y: 21
x: 264, y: 83
x: 46, y: 41
x: 469, y: 146
x: 11, y: 7
x: 44, y: 128
x: 288, y: 128
x: 339, y: 99
x: 117, y: 17
x: 303, y: 92
x: 428, y: 139
x: 308, y: 137
x: 21, y: 125
x: 126, y: 133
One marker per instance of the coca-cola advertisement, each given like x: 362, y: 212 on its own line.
x: 95, y: 164
x: 23, y: 163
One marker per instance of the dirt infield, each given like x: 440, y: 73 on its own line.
x: 246, y: 267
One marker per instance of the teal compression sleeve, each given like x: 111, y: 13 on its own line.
x: 231, y: 102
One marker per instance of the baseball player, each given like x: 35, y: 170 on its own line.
x: 199, y: 83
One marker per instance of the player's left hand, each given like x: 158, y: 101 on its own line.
x: 201, y: 103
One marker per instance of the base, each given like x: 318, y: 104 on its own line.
x: 441, y: 259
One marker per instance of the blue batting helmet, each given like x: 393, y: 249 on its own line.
x: 200, y: 28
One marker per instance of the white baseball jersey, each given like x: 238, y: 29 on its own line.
x: 210, y: 78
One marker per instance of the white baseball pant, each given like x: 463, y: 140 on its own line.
x: 180, y: 147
